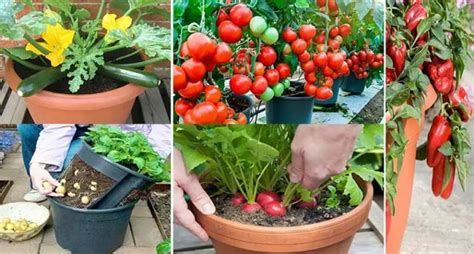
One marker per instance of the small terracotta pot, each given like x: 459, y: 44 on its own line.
x: 328, y: 237
x: 399, y: 221
x: 107, y: 107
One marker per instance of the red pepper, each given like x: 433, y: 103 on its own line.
x: 388, y: 31
x: 414, y: 16
x: 398, y: 55
x: 437, y: 179
x: 449, y: 188
x: 441, y: 73
x: 440, y: 132
x: 390, y: 76
x: 460, y: 102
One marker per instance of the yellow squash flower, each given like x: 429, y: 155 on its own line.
x: 56, y: 40
x: 110, y: 22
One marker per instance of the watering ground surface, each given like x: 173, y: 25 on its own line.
x: 81, y: 173
x: 237, y: 103
x: 97, y: 85
x: 373, y: 111
x: 295, y: 216
x: 162, y: 204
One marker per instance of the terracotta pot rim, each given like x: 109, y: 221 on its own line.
x: 82, y: 101
x: 296, y: 229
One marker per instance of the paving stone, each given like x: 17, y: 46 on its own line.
x: 135, y: 250
x: 52, y: 249
x: 142, y: 212
x: 145, y: 232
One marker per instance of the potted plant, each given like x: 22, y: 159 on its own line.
x: 258, y: 209
x: 427, y: 54
x: 78, y: 68
x: 111, y: 172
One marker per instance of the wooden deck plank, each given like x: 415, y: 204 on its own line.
x: 376, y: 220
x: 153, y: 108
x: 367, y: 243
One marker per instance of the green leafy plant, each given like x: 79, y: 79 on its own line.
x: 130, y: 149
x: 75, y: 45
x: 164, y: 247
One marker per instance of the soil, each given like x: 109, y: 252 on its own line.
x: 239, y: 104
x: 161, y: 202
x: 296, y: 89
x: 295, y: 216
x: 372, y: 112
x: 97, y: 85
x: 84, y: 176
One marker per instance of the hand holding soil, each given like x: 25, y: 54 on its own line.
x: 321, y: 151
x: 189, y: 183
x: 43, y: 181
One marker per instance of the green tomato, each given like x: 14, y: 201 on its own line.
x: 286, y: 83
x: 270, y: 36
x: 258, y: 25
x: 278, y: 89
x: 267, y: 95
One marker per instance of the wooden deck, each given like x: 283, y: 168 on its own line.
x: 369, y: 239
x: 153, y: 106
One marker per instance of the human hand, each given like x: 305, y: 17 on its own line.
x: 189, y: 183
x: 43, y: 181
x: 321, y: 151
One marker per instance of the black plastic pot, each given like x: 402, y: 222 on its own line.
x: 249, y: 111
x: 125, y: 179
x: 85, y: 231
x: 335, y: 90
x: 354, y: 85
x: 289, y: 110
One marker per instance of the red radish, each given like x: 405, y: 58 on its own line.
x: 250, y: 207
x: 275, y: 209
x: 308, y: 204
x: 237, y: 199
x: 266, y: 197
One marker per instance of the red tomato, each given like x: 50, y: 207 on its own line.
x: 221, y: 109
x: 284, y: 70
x: 229, y: 32
x: 289, y: 35
x: 321, y: 60
x: 241, y: 118
x: 204, y: 113
x: 188, y: 118
x: 259, y: 69
x: 179, y: 78
x: 327, y: 71
x: 192, y: 90
x: 195, y: 70
x: 223, y: 16
x: 241, y: 69
x: 252, y: 44
x: 327, y: 82
x: 308, y: 66
x: 334, y: 32
x: 210, y: 64
x: 304, y: 57
x: 379, y: 57
x: 375, y: 64
x: 212, y: 94
x: 335, y: 61
x: 320, y: 39
x: 310, y: 89
x: 272, y: 77
x: 182, y: 106
x: 334, y: 45
x: 362, y: 55
x: 200, y: 46
x: 241, y: 15
x: 335, y: 75
x: 184, y: 51
x: 230, y: 121
x: 355, y: 59
x: 307, y: 32
x: 240, y: 84
x: 344, y: 70
x: 321, y: 48
x: 349, y: 63
x: 344, y: 30
x: 324, y: 93
x: 370, y: 56
x: 259, y: 85
x: 267, y: 56
x: 310, y: 77
x: 333, y: 6
x: 223, y: 53
x: 299, y: 46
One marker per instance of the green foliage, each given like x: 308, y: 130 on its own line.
x: 82, y: 65
x: 164, y: 247
x: 130, y: 149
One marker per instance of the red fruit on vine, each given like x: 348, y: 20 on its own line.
x: 204, y: 113
x: 284, y: 70
x: 334, y: 32
x: 321, y: 59
x: 327, y: 71
x: 286, y: 49
x: 275, y: 209
x: 250, y: 207
x: 241, y: 118
x: 179, y: 78
x: 267, y: 56
x: 345, y: 30
x: 222, y: 111
x: 194, y: 69
x: 229, y: 32
x: 237, y: 199
x: 221, y: 17
x: 324, y: 93
x: 200, y: 46
x: 335, y: 61
x: 289, y: 35
x: 184, y: 51
x: 308, y: 66
x: 272, y: 76
x: 240, y: 15
x: 307, y: 32
x: 240, y: 84
x: 188, y: 118
x: 266, y: 197
x: 229, y: 122
x: 192, y: 90
x: 310, y: 77
x: 299, y: 46
x: 182, y: 106
x: 212, y: 94
x: 320, y: 39
x: 334, y: 44
x: 259, y: 86
x: 304, y: 57
x: 223, y: 53
x: 258, y: 69
x: 310, y: 89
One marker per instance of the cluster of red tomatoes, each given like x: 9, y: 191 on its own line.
x: 229, y: 25
x: 201, y: 103
x: 359, y: 62
x: 322, y: 67
x: 332, y: 6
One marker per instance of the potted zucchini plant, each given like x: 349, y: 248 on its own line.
x: 110, y: 173
x: 78, y: 68
x: 258, y: 208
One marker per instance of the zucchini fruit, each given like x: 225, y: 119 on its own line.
x: 39, y: 81
x: 130, y: 75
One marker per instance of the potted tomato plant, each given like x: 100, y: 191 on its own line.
x: 82, y: 69
x: 257, y: 206
x: 110, y: 173
x: 427, y: 55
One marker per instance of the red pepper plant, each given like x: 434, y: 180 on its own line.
x: 249, y: 163
x: 428, y: 43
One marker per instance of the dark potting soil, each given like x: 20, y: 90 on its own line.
x: 296, y: 89
x: 239, y: 104
x: 295, y: 216
x: 97, y: 85
x: 161, y: 202
x: 372, y: 112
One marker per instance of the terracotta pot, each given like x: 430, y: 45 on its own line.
x: 399, y: 221
x: 107, y: 107
x: 328, y: 237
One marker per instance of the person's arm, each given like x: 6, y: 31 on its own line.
x: 189, y: 183
x: 321, y: 151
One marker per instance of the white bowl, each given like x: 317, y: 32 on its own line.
x: 24, y: 210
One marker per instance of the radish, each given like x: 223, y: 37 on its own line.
x: 266, y: 197
x: 275, y: 209
x: 250, y: 207
x: 307, y: 204
x: 237, y: 199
